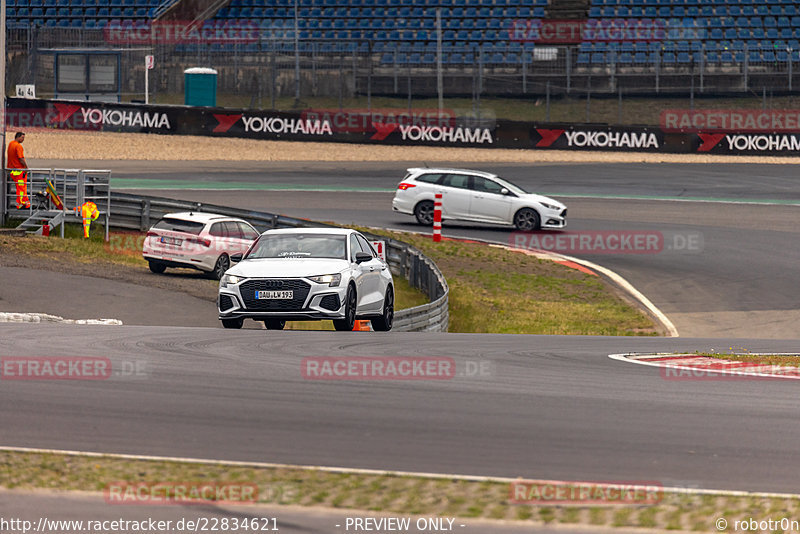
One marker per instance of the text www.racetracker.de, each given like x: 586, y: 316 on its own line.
x: 199, y: 524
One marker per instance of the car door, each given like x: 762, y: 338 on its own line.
x: 488, y: 203
x: 456, y: 196
x: 364, y: 276
x: 375, y: 283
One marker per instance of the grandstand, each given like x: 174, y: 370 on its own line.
x: 728, y: 45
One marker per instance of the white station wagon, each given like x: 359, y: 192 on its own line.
x: 477, y: 197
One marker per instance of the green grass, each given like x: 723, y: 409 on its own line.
x: 408, y: 495
x: 634, y: 110
x: 493, y: 290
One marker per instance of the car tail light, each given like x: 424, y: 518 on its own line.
x: 403, y: 186
x: 200, y: 241
x: 150, y: 233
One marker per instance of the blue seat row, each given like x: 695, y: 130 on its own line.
x: 392, y: 3
x: 78, y: 12
x: 380, y: 12
x: 686, y: 58
x: 740, y: 3
x: 707, y: 10
x: 81, y: 3
x: 689, y: 46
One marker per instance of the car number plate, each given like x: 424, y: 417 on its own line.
x: 261, y: 295
x: 171, y: 241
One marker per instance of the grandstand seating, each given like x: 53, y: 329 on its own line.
x: 676, y: 32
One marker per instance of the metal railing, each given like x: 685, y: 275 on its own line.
x: 73, y: 187
x: 138, y: 212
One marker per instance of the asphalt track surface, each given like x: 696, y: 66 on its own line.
x: 547, y: 407
x: 741, y: 282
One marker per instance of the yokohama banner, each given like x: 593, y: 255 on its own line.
x: 408, y: 127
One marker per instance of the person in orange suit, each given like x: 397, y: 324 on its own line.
x: 88, y: 212
x: 15, y: 159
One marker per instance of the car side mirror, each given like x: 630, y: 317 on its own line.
x: 504, y: 191
x: 236, y: 258
x: 361, y: 257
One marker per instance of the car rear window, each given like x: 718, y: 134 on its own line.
x: 179, y: 225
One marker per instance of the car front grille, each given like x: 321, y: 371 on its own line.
x: 300, y: 292
x: 330, y: 302
x: 225, y: 302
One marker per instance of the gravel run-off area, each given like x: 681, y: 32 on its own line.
x: 49, y: 144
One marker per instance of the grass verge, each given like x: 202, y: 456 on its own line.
x: 792, y: 360
x: 394, y: 494
x: 493, y: 290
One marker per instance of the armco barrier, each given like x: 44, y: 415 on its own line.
x: 136, y: 212
x: 378, y: 127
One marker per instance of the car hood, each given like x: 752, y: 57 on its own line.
x: 287, y: 267
x: 547, y: 200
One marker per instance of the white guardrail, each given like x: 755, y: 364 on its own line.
x: 137, y: 212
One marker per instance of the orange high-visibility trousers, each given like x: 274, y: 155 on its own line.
x: 22, y: 189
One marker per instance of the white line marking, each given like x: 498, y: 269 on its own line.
x: 628, y: 357
x: 348, y: 470
x: 11, y: 317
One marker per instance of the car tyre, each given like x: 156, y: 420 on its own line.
x: 157, y: 267
x: 424, y: 212
x: 232, y: 323
x: 384, y: 322
x: 349, y: 321
x: 222, y: 265
x: 527, y: 220
x: 274, y: 324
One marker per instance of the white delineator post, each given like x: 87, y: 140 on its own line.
x: 149, y: 63
x: 437, y: 218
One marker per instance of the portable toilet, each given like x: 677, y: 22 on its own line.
x: 200, y: 87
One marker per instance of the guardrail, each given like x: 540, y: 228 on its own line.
x: 137, y: 212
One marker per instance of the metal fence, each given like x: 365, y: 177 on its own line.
x: 266, y: 68
x: 138, y: 212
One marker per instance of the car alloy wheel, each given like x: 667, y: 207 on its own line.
x: 526, y: 219
x: 349, y: 321
x: 384, y: 322
x: 222, y: 265
x: 424, y: 212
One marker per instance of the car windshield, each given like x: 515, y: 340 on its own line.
x: 179, y: 225
x: 299, y: 246
x: 514, y: 188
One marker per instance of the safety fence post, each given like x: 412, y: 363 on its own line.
x: 437, y: 218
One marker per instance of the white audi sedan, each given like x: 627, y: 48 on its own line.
x: 477, y: 197
x: 308, y: 274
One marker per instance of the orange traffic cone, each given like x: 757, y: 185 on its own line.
x: 362, y: 326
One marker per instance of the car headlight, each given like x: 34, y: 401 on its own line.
x: 549, y: 206
x: 230, y: 279
x: 331, y: 279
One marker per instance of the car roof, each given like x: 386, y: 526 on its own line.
x: 198, y: 216
x: 416, y: 170
x: 311, y: 230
